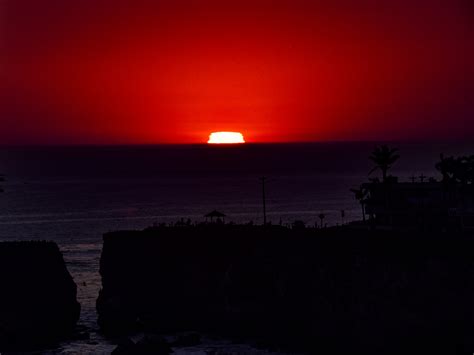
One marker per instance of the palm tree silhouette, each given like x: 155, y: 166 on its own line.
x: 321, y: 217
x: 464, y: 169
x: 360, y: 195
x: 460, y: 169
x: 447, y: 167
x: 384, y: 157
x: 470, y: 168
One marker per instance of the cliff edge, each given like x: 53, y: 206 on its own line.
x: 305, y: 290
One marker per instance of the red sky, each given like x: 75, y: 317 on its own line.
x: 143, y: 71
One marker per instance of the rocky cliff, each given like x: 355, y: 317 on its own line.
x: 38, y: 304
x: 306, y: 290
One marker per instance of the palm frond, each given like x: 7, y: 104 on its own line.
x: 393, y: 159
x: 373, y: 169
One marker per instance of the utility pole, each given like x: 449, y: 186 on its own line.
x: 262, y: 179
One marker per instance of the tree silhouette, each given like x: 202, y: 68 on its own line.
x: 470, y: 169
x: 460, y: 169
x: 384, y: 157
x: 2, y: 179
x: 321, y: 217
x: 464, y: 170
x: 447, y: 167
x: 360, y: 195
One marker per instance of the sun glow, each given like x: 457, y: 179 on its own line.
x: 225, y: 138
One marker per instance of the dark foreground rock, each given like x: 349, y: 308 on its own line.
x: 38, y: 304
x: 334, y: 290
x: 147, y: 346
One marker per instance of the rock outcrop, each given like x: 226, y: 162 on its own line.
x: 38, y: 305
x: 336, y: 289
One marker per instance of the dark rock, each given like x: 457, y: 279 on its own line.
x: 38, y: 305
x: 147, y: 346
x: 305, y: 290
x: 125, y: 347
x: 184, y: 340
x: 154, y: 345
x: 82, y: 335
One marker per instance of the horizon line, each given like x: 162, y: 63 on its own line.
x: 205, y: 144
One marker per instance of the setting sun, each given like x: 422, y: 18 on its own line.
x: 225, y: 138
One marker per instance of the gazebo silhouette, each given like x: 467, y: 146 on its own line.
x: 214, y: 214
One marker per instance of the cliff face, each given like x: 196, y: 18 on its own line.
x: 305, y: 290
x: 38, y: 304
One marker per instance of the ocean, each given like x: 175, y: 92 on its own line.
x: 73, y: 195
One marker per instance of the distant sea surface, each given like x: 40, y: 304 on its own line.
x: 72, y: 195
